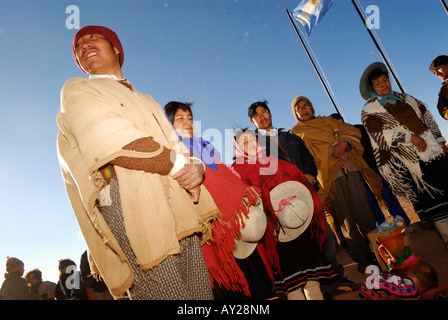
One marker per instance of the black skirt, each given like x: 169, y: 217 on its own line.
x: 432, y: 206
x: 301, y: 260
x: 260, y: 284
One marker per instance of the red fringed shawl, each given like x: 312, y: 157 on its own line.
x: 233, y: 199
x: 266, y: 173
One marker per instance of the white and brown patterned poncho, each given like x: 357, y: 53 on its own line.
x: 390, y: 128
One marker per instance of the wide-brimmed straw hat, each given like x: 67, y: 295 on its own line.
x: 294, y: 206
x: 364, y: 87
x: 252, y: 232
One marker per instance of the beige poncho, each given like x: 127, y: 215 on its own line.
x: 319, y: 135
x: 97, y: 118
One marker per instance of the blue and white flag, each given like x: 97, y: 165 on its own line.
x: 310, y: 12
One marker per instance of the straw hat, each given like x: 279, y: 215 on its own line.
x: 295, y: 208
x: 364, y: 87
x: 253, y: 231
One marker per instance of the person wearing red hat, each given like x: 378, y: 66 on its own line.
x: 136, y: 193
x: 92, y: 57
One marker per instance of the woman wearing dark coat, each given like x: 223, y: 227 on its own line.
x: 14, y: 287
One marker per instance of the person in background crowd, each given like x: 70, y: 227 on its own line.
x: 14, y: 287
x: 409, y: 148
x: 70, y: 285
x: 43, y: 290
x: 95, y: 287
x: 439, y: 67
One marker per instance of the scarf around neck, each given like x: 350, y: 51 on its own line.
x: 203, y: 149
x: 383, y: 99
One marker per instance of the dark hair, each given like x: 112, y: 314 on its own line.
x: 337, y: 116
x: 375, y: 74
x: 172, y: 107
x: 252, y: 111
x: 36, y: 273
x: 440, y: 60
x: 64, y: 263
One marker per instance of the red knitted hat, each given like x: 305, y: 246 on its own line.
x: 102, y: 31
x: 13, y: 264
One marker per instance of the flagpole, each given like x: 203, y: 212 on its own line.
x: 444, y: 5
x: 397, y: 81
x: 313, y: 63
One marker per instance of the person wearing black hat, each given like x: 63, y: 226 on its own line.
x: 136, y: 192
x: 439, y: 67
x: 409, y: 148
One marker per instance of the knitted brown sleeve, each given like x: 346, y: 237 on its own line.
x: 160, y: 164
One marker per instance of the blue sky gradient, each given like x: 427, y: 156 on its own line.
x: 222, y: 55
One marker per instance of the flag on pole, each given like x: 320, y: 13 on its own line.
x: 310, y: 12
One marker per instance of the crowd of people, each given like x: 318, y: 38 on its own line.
x: 164, y: 218
x: 73, y: 284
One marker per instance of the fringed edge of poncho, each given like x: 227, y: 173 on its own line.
x: 92, y: 214
x: 398, y: 162
x: 229, y: 275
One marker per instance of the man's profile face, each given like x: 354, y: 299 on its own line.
x: 96, y: 55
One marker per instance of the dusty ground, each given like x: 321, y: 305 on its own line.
x: 425, y: 242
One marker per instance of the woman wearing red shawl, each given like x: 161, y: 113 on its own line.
x: 298, y: 263
x: 229, y: 275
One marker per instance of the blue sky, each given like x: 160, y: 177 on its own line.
x: 222, y: 55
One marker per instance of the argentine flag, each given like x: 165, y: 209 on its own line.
x: 310, y: 12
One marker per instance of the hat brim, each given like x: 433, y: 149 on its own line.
x: 364, y: 88
x: 243, y: 249
x: 252, y: 232
x: 301, y: 193
x: 254, y: 225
